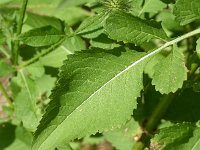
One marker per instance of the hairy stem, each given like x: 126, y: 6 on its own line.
x: 5, y: 94
x: 15, y: 50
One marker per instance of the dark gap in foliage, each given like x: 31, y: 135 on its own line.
x: 51, y: 71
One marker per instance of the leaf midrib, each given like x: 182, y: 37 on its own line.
x: 192, y: 33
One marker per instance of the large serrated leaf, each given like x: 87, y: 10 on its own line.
x: 132, y: 29
x: 187, y: 11
x: 97, y: 89
x: 170, y: 72
x: 43, y: 36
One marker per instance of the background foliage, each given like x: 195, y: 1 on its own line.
x: 100, y: 75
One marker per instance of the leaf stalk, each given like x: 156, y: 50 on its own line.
x: 15, y: 50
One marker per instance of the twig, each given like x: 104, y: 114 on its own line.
x: 15, y: 50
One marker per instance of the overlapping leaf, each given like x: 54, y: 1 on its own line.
x: 183, y: 136
x: 43, y: 36
x: 125, y: 27
x: 152, y: 6
x: 97, y: 89
x: 92, y: 26
x: 187, y: 11
x: 170, y: 73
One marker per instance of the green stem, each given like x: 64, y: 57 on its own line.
x: 15, y: 51
x: 138, y: 146
x: 193, y: 69
x: 5, y: 94
x: 158, y: 113
x: 43, y: 53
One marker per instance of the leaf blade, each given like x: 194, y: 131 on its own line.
x: 44, y: 36
x: 83, y: 108
x: 170, y: 73
x: 187, y: 11
x: 132, y: 29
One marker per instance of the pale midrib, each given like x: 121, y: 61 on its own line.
x: 29, y: 92
x: 66, y: 50
x: 197, y: 31
x: 193, y: 148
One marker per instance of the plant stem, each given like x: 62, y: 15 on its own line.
x: 5, y: 94
x: 193, y: 70
x: 44, y: 52
x: 15, y: 51
x: 158, y: 113
x: 138, y: 146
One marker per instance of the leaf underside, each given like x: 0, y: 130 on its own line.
x: 95, y: 93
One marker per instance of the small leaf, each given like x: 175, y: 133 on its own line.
x: 132, y: 29
x: 152, y: 6
x: 92, y: 26
x: 183, y: 136
x: 5, y: 68
x: 187, y: 11
x: 94, y: 86
x: 44, y: 36
x: 170, y: 72
x: 38, y: 21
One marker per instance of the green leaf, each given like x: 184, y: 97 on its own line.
x: 44, y: 36
x: 92, y: 26
x: 25, y: 101
x: 187, y: 11
x: 104, y: 42
x: 70, y: 3
x: 5, y: 1
x: 122, y: 139
x: 69, y: 46
x: 22, y: 141
x: 183, y: 136
x: 152, y: 6
x: 170, y: 72
x: 94, y: 87
x: 5, y: 68
x: 37, y: 21
x: 198, y: 48
x: 132, y: 29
